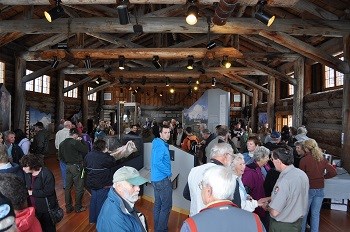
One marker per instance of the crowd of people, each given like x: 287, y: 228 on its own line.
x: 269, y: 181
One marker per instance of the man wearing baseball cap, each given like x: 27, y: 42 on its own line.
x: 118, y: 212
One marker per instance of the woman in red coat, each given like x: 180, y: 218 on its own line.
x: 317, y: 169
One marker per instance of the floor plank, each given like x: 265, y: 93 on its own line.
x: 331, y: 220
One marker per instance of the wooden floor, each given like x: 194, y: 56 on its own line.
x: 331, y: 220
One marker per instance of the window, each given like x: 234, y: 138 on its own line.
x: 2, y: 72
x: 291, y: 87
x: 71, y: 93
x: 93, y: 96
x: 39, y: 85
x: 333, y: 78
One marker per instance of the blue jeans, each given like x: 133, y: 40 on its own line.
x: 63, y: 172
x: 163, y: 194
x: 98, y: 197
x: 315, y: 202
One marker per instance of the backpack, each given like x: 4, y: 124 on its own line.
x: 192, y: 144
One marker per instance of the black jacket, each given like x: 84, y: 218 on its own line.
x: 16, y: 153
x: 14, y: 169
x: 43, y: 186
x: 98, y: 166
x: 40, y: 143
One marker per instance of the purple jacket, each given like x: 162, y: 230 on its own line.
x: 253, y: 180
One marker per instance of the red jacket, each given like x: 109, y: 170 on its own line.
x: 26, y: 220
x: 316, y: 170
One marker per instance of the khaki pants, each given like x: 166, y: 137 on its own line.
x: 276, y: 226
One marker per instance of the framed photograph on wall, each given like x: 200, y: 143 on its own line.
x: 107, y: 96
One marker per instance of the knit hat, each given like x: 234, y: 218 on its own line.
x: 275, y: 135
x: 130, y: 175
x: 7, y: 214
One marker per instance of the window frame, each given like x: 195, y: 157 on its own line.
x: 71, y: 93
x: 331, y: 80
x: 93, y: 96
x: 40, y: 84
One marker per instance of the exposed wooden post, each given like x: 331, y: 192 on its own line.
x: 20, y: 103
x: 60, y: 98
x: 85, y: 104
x: 345, y: 155
x: 254, y: 115
x: 271, y: 100
x: 298, y: 97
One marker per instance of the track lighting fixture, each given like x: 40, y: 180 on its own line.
x: 195, y: 87
x: 192, y: 13
x: 167, y: 81
x: 98, y: 80
x: 210, y: 44
x: 121, y: 62
x: 55, y: 62
x: 161, y: 94
x: 190, y: 62
x: 225, y: 62
x: 197, y: 82
x: 55, y: 12
x: 123, y: 14
x: 213, y: 81
x: 189, y: 82
x: 156, y: 63
x: 87, y: 62
x: 172, y: 90
x: 262, y: 16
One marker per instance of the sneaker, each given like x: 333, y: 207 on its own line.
x: 82, y: 209
x: 69, y: 210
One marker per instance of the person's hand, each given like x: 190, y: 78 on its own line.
x: 262, y: 202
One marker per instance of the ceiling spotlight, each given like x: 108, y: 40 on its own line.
x: 161, y: 94
x: 55, y: 62
x: 172, y: 90
x: 98, y: 80
x: 213, y: 81
x: 262, y: 16
x: 197, y: 82
x: 192, y: 13
x: 167, y: 81
x: 121, y: 62
x: 55, y: 12
x: 190, y: 63
x: 156, y: 63
x: 87, y: 62
x: 211, y: 45
x: 130, y: 88
x: 225, y: 62
x: 195, y: 87
x: 123, y: 14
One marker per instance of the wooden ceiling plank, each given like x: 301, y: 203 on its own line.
x: 178, y: 25
x: 307, y: 50
x: 42, y: 71
x: 76, y: 85
x: 49, y: 42
x: 114, y: 40
x: 315, y: 10
x: 9, y: 37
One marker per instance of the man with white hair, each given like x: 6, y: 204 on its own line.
x: 217, y: 188
x: 61, y: 135
x: 221, y: 154
x: 118, y: 212
x: 301, y: 134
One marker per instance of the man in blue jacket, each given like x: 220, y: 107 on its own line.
x: 118, y: 212
x: 160, y: 178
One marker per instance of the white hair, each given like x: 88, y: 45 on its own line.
x: 222, y: 181
x: 236, y: 157
x: 221, y: 149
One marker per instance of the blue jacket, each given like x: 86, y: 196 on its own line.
x: 14, y: 169
x: 115, y: 217
x: 160, y: 160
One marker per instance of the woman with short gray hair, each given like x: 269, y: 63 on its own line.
x: 247, y: 202
x: 254, y: 176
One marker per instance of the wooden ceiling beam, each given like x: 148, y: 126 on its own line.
x: 134, y: 53
x: 246, y: 82
x: 335, y: 28
x: 268, y: 70
x: 181, y: 2
x: 49, y: 42
x: 307, y: 50
x: 76, y: 85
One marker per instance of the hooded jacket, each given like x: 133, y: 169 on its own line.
x: 26, y: 220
